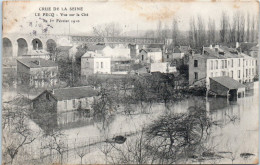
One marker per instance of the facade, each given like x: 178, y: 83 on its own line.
x: 253, y: 52
x: 37, y: 72
x: 120, y: 64
x: 66, y: 103
x: 163, y: 67
x: 250, y: 68
x: 219, y: 61
x: 92, y: 63
x: 150, y: 55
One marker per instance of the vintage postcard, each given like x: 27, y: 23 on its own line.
x: 130, y: 82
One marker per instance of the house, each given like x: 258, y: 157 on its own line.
x: 163, y: 67
x: 253, y: 52
x: 37, y: 72
x: 150, y: 55
x: 92, y: 63
x: 65, y: 104
x: 227, y: 87
x: 215, y: 62
x: 250, y: 68
x: 120, y: 64
x: 178, y: 54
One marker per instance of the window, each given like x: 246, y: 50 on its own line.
x: 196, y: 75
x: 232, y: 74
x: 142, y: 57
x: 216, y: 64
x: 246, y: 62
x: 246, y: 72
x: 238, y: 62
x: 249, y: 70
x: 74, y: 103
x: 47, y: 96
x: 65, y: 104
x: 211, y: 75
x: 238, y: 72
x: 232, y: 63
x: 167, y: 56
x: 222, y: 64
x: 211, y: 65
x: 101, y: 65
x: 195, y: 63
x: 223, y: 73
x: 225, y: 63
x: 253, y: 71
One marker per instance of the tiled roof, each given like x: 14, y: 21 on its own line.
x: 212, y: 53
x: 95, y: 47
x: 74, y: 93
x: 37, y: 52
x: 254, y: 48
x: 152, y: 50
x: 91, y: 54
x: 37, y: 62
x: 246, y: 46
x: 228, y: 82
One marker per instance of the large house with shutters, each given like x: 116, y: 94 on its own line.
x: 220, y: 61
x: 37, y: 72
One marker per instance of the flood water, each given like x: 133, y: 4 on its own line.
x: 235, y: 134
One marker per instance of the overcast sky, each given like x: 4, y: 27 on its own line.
x: 129, y: 14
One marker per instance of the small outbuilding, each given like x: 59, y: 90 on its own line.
x: 227, y: 87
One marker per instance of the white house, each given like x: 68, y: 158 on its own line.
x: 163, y: 67
x: 92, y: 63
x: 220, y: 61
x: 151, y: 55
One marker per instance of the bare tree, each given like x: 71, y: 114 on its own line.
x: 81, y: 149
x: 56, y: 142
x: 159, y: 29
x: 211, y: 31
x: 248, y: 27
x: 107, y: 30
x: 133, y: 151
x: 16, y: 132
x: 175, y: 31
x: 240, y: 26
x: 224, y: 27
x: 201, y: 31
x: 193, y: 33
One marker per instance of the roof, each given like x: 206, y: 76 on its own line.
x: 152, y: 50
x: 95, y: 47
x: 254, y: 48
x: 245, y: 46
x: 177, y: 50
x: 228, y: 82
x: 37, y: 62
x: 74, y: 93
x: 91, y: 54
x: 36, y: 52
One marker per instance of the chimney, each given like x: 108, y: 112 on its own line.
x: 210, y: 46
x: 237, y: 44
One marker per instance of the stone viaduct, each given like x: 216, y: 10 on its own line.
x: 15, y: 45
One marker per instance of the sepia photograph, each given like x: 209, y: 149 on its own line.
x: 130, y: 82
